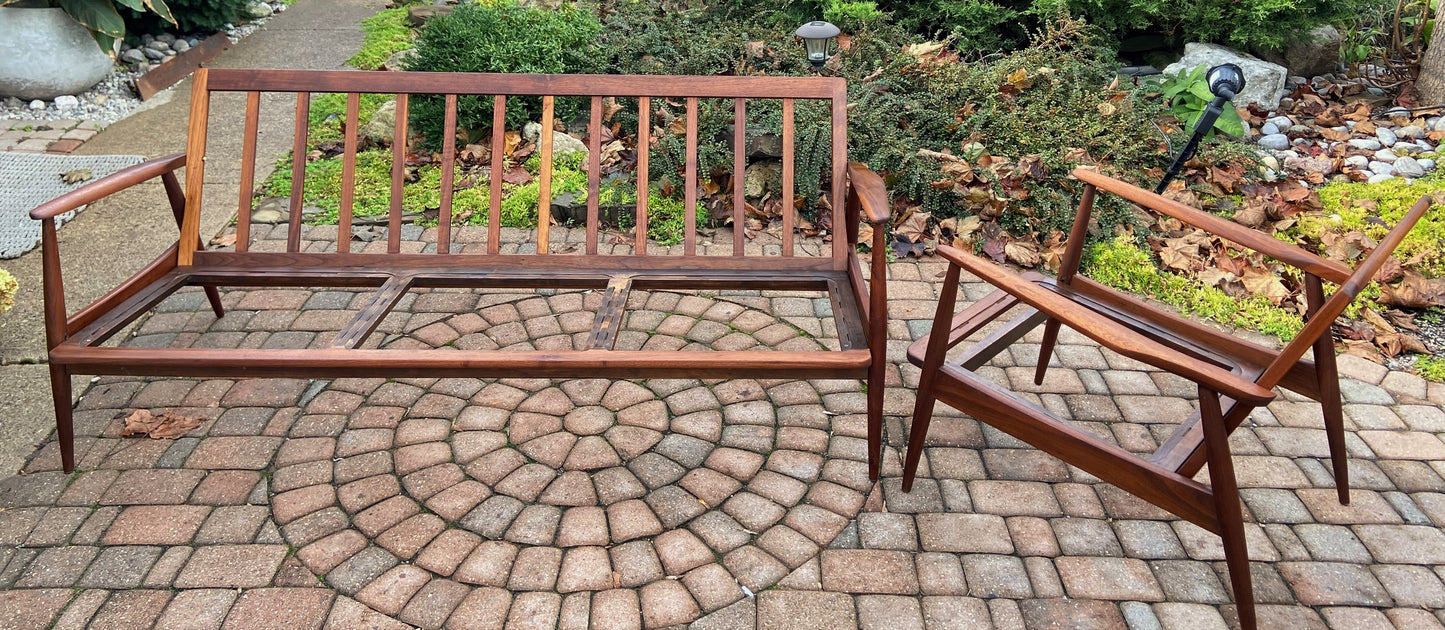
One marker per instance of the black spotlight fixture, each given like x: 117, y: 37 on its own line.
x: 1225, y: 81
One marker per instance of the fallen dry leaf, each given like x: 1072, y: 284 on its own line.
x: 165, y: 426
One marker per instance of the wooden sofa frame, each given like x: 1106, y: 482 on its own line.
x: 74, y: 340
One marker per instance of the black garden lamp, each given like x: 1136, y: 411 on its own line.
x: 1225, y: 82
x: 816, y: 37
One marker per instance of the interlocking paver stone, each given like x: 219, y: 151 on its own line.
x: 466, y: 503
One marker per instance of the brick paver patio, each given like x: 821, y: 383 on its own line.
x: 529, y: 503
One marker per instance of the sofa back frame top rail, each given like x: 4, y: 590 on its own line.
x: 858, y: 303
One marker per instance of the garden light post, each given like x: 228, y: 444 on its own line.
x: 1225, y: 81
x: 817, y: 37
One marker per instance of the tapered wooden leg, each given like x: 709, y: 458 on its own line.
x: 1328, y: 378
x: 1051, y: 335
x: 1329, y: 382
x: 215, y: 299
x: 1226, y: 505
x: 932, y: 360
x: 64, y: 426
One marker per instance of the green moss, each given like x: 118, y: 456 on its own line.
x: 1391, y: 200
x: 387, y: 33
x: 327, y: 114
x: 1122, y: 265
x: 1430, y: 368
x: 373, y: 188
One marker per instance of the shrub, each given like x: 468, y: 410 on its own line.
x: 192, y: 16
x: 500, y: 37
x: 1004, y: 24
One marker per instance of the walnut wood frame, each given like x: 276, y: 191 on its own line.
x: 1233, y: 376
x: 861, y: 315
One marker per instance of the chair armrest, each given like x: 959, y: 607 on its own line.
x: 872, y: 194
x: 1253, y: 239
x: 105, y: 186
x: 1108, y: 332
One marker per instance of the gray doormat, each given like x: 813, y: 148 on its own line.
x: 30, y: 179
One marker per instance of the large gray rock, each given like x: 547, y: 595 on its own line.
x: 1318, y: 53
x: 382, y: 125
x: 1264, y: 81
x: 44, y: 54
x: 562, y: 144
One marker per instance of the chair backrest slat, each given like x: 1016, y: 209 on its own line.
x: 544, y: 181
x: 740, y: 165
x: 398, y: 176
x: 689, y: 243
x: 499, y: 140
x: 348, y: 173
x: 298, y: 170
x: 788, y: 157
x: 449, y: 159
x: 644, y: 144
x: 594, y: 172
x: 248, y: 171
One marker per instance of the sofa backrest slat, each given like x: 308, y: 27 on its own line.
x: 644, y: 140
x: 789, y: 157
x: 398, y: 176
x: 740, y: 165
x: 594, y: 172
x: 689, y: 196
x: 298, y: 171
x: 499, y: 138
x: 659, y: 99
x: 348, y: 173
x: 544, y: 178
x: 449, y: 158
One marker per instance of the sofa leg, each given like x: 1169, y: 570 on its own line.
x: 64, y: 427
x: 875, y: 419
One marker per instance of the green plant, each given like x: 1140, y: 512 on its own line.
x: 500, y: 37
x: 1430, y: 368
x: 192, y: 16
x: 386, y: 34
x: 101, y: 18
x: 1188, y: 95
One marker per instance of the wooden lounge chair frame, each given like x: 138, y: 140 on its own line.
x: 75, y: 340
x: 1233, y: 376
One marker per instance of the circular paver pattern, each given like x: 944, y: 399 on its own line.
x: 678, y: 496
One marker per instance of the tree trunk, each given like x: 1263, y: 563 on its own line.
x: 1431, y: 83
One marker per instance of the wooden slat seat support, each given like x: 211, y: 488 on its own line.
x: 1233, y: 376
x: 857, y: 294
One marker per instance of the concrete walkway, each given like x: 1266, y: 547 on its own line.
x: 116, y: 237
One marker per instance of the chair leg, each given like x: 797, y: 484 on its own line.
x: 1225, y: 491
x: 1328, y: 378
x: 928, y: 377
x: 64, y: 423
x: 215, y: 298
x: 1051, y: 335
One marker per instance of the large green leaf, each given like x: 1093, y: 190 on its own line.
x: 97, y: 15
x: 159, y: 8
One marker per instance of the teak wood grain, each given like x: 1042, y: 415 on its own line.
x: 1233, y: 376
x: 858, y: 297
